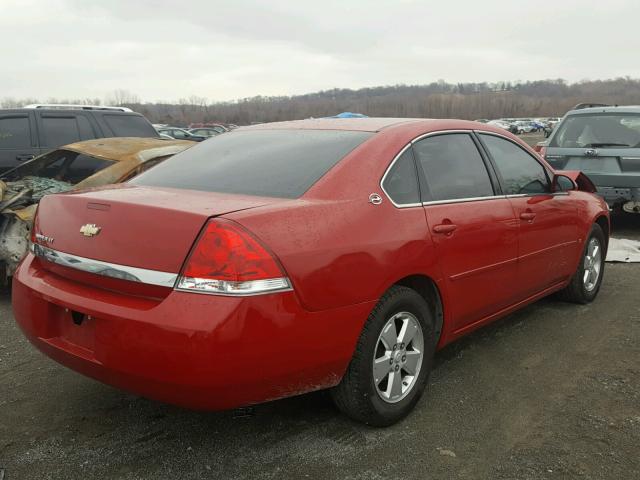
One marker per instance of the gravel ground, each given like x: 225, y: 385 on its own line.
x: 552, y: 391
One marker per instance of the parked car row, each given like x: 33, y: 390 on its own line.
x: 519, y: 126
x: 195, y: 132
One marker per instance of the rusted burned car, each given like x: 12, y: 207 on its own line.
x: 78, y: 165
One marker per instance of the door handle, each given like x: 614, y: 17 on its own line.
x: 446, y: 228
x: 528, y: 216
x: 24, y: 156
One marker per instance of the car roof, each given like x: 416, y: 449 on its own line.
x: 120, y: 149
x: 370, y: 124
x: 69, y: 110
x: 613, y: 109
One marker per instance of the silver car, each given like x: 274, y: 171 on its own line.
x: 604, y: 143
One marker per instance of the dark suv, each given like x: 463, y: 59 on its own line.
x: 604, y: 143
x: 30, y: 131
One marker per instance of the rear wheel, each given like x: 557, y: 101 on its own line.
x: 585, y: 283
x: 392, y: 360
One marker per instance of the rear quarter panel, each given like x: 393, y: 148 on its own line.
x: 344, y: 252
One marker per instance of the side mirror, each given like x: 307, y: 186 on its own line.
x: 562, y: 183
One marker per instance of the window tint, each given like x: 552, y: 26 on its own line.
x: 59, y: 130
x: 521, y: 173
x: 129, y: 126
x: 15, y: 132
x: 272, y: 163
x: 453, y: 167
x: 63, y: 165
x: 401, y: 181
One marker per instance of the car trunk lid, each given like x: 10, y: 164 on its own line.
x: 141, y: 227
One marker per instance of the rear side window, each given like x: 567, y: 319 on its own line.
x: 129, y: 126
x: 520, y: 172
x: 15, y: 132
x: 62, y: 165
x: 401, y: 181
x: 453, y: 167
x: 271, y: 163
x: 58, y: 130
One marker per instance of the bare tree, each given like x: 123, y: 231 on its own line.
x: 121, y: 98
x: 435, y: 100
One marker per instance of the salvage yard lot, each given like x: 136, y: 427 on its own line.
x: 552, y: 391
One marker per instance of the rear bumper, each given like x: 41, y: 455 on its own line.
x: 198, y: 351
x: 616, y: 189
x: 615, y: 180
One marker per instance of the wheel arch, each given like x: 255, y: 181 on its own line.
x: 427, y: 289
x: 603, y: 222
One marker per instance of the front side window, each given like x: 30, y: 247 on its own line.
x: 401, y: 181
x: 602, y: 130
x: 453, y: 167
x: 520, y: 172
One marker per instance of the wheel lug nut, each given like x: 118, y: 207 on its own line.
x: 391, y: 361
x: 397, y: 367
x: 404, y: 358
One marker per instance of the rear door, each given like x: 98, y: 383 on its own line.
x: 472, y: 225
x: 548, y: 229
x: 18, y: 139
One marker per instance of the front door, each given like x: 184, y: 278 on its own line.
x: 472, y: 226
x: 547, y: 221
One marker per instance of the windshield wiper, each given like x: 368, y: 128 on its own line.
x: 606, y: 145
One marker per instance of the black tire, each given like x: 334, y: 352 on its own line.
x: 356, y: 395
x: 576, y: 291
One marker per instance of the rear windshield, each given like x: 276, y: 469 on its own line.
x: 62, y: 165
x: 603, y: 130
x: 130, y: 126
x: 270, y: 163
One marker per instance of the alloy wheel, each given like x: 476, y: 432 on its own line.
x: 592, y: 264
x: 398, y: 357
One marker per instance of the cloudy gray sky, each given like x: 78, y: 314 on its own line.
x: 223, y: 50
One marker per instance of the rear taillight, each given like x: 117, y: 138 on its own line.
x: 228, y: 260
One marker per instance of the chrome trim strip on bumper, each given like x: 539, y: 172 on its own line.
x: 106, y: 269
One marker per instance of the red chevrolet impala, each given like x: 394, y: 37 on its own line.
x: 289, y: 257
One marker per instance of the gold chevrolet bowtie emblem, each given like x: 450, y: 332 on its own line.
x: 90, y: 230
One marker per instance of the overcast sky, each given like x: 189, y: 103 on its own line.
x: 223, y: 50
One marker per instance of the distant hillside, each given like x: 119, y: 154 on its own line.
x: 436, y: 100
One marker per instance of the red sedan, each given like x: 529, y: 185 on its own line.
x: 289, y: 257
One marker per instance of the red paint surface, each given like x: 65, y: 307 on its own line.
x: 340, y: 252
